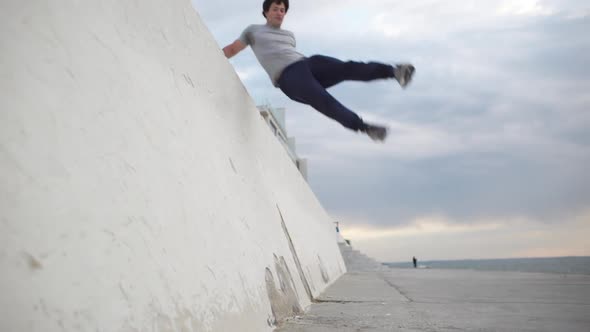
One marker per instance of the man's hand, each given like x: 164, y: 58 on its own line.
x: 233, y: 49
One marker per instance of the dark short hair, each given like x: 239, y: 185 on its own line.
x: 267, y: 3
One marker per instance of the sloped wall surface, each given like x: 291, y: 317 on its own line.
x: 139, y: 188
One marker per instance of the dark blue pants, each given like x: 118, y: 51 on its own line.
x: 306, y: 82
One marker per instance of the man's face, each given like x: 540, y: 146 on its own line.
x: 275, y: 15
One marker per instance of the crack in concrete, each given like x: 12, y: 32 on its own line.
x: 397, y: 288
x: 344, y: 301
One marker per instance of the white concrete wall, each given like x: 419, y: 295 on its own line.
x: 139, y: 188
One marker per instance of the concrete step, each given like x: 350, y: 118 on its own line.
x: 357, y: 261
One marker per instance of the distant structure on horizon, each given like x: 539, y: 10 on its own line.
x: 275, y: 118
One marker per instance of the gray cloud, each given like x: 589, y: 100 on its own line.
x: 496, y: 124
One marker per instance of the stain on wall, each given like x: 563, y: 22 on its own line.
x: 283, y: 298
x: 323, y: 271
x: 32, y: 262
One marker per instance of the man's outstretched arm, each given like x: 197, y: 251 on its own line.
x: 233, y: 48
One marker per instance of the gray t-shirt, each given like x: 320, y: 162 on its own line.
x: 274, y: 48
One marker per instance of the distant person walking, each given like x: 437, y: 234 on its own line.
x: 305, y: 79
x: 415, y: 261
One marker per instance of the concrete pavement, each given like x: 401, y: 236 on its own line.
x: 374, y: 298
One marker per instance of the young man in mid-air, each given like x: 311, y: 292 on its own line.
x: 306, y: 79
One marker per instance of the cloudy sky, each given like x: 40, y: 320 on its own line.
x: 489, y: 150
